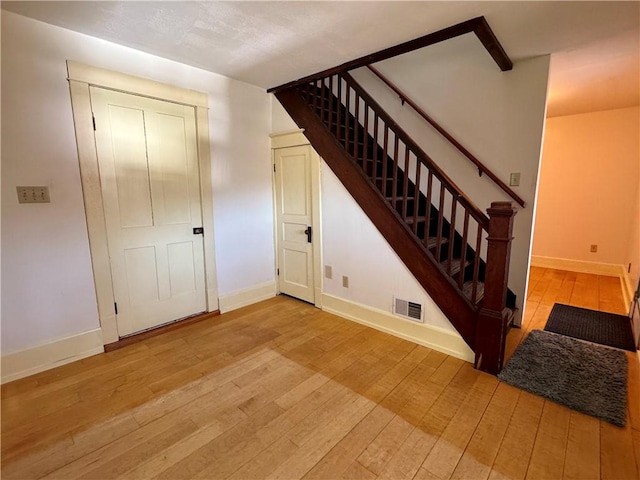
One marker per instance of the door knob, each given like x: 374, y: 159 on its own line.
x: 308, y: 234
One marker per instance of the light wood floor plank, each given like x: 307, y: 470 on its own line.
x: 342, y: 455
x: 553, y: 288
x: 610, y: 295
x: 547, y: 458
x: 536, y: 293
x: 585, y: 292
x: 406, y: 372
x: 357, y: 472
x: 281, y: 389
x: 514, y: 453
x: 449, y: 448
x: 617, y: 456
x: 482, y: 450
x: 389, y: 441
x: 440, y: 401
x: 318, y: 445
x: 408, y: 458
x: 636, y: 445
x: 566, y: 289
x: 582, y: 460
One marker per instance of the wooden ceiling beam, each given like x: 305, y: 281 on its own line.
x: 477, y: 25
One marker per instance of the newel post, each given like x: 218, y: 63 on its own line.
x: 493, y: 318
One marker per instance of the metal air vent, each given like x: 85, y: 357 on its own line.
x: 407, y: 309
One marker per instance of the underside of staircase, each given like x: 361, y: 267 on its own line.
x: 456, y: 252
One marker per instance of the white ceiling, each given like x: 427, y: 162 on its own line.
x: 595, y: 45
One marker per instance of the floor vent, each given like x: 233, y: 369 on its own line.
x: 407, y: 309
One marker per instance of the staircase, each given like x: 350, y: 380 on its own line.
x: 459, y: 254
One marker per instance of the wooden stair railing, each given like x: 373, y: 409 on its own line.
x: 434, y: 227
x: 387, y: 136
x: 482, y: 168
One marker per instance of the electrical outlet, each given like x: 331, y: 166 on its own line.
x: 514, y: 180
x: 33, y: 194
x: 345, y: 281
x: 328, y: 272
x: 594, y: 248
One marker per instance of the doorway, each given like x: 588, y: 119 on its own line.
x: 149, y: 217
x: 149, y: 175
x: 296, y: 183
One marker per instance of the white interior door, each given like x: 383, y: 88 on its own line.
x: 294, y: 222
x: 147, y: 156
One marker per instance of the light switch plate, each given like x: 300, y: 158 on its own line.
x: 514, y: 180
x: 33, y: 194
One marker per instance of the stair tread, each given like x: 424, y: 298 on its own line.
x: 398, y: 197
x: 455, y: 265
x: 418, y: 219
x: 467, y: 290
x: 433, y: 242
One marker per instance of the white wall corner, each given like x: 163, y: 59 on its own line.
x: 242, y: 298
x: 50, y: 355
x: 427, y: 335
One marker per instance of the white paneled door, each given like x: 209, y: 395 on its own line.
x: 294, y: 221
x: 148, y: 161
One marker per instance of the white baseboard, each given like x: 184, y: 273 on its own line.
x: 578, y: 266
x: 627, y: 289
x: 242, y: 298
x: 427, y: 335
x: 50, y: 355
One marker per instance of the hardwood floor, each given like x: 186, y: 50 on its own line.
x: 283, y: 390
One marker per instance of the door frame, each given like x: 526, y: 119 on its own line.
x: 296, y: 138
x: 81, y: 77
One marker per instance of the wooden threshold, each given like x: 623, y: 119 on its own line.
x: 154, y: 332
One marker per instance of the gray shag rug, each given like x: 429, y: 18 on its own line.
x: 585, y: 377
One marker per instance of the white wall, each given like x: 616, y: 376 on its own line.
x: 589, y: 189
x: 280, y: 120
x: 47, y: 282
x: 498, y: 116
x: 354, y: 247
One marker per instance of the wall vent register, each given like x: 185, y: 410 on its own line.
x: 407, y: 309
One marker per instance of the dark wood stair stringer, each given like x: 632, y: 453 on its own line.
x: 388, y: 221
x: 322, y: 101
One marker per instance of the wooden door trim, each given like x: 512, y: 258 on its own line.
x: 144, y: 87
x: 295, y: 139
x: 80, y: 78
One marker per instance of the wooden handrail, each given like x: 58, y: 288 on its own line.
x: 477, y: 25
x: 481, y: 167
x: 475, y: 212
